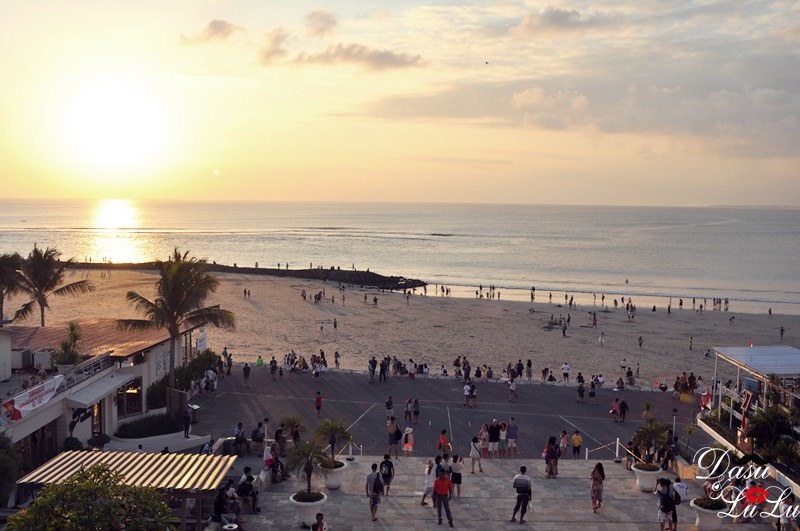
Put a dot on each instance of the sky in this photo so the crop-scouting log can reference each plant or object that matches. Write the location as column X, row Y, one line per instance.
column 615, row 102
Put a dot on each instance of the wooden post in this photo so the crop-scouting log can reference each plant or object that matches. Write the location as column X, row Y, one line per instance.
column 183, row 512
column 198, row 508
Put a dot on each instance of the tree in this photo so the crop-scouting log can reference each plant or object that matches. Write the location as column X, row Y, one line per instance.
column 308, row 457
column 10, row 461
column 184, row 284
column 768, row 427
column 9, row 278
column 39, row 277
column 94, row 499
column 333, row 432
column 67, row 352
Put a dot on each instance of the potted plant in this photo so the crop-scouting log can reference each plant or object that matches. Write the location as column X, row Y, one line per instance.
column 307, row 458
column 332, row 432
column 707, row 510
column 649, row 434
column 293, row 426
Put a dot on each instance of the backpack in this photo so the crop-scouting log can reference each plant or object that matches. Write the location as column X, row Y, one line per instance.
column 666, row 503
column 385, row 469
column 676, row 497
column 377, row 486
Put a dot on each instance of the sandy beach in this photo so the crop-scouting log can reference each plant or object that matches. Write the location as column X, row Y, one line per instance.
column 434, row 330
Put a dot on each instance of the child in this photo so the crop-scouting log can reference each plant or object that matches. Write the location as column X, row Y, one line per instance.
column 408, row 442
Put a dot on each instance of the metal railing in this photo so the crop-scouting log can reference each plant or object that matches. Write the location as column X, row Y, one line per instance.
column 85, row 370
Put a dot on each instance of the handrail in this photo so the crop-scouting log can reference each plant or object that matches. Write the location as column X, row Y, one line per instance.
column 616, row 451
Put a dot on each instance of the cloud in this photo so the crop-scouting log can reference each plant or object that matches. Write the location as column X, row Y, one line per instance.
column 273, row 46
column 320, row 23
column 358, row 54
column 216, row 30
column 563, row 21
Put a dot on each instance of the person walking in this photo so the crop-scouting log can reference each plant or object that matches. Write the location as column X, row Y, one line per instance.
column 246, row 374
column 522, row 484
column 415, row 408
column 551, row 457
column 577, row 441
column 456, row 469
column 615, row 410
column 407, row 418
column 443, row 445
column 318, row 402
column 430, row 474
column 513, row 432
column 374, row 489
column 598, row 476
column 389, row 404
column 441, row 497
column 623, row 410
column 187, row 423
column 475, row 454
column 563, row 444
column 394, row 436
column 387, row 473
column 408, row 441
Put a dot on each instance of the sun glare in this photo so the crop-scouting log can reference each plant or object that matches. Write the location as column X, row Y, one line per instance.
column 115, row 214
column 116, row 124
column 114, row 240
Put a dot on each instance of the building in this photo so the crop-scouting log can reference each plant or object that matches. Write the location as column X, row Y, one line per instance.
column 87, row 399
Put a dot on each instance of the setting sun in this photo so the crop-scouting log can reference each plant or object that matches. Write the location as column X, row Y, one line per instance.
column 115, row 124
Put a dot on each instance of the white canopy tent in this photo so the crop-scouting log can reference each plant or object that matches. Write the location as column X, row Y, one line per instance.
column 761, row 363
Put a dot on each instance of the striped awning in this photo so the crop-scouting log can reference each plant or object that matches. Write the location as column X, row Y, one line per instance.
column 184, row 472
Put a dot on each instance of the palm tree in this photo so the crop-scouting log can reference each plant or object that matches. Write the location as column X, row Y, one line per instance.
column 184, row 284
column 333, row 431
column 9, row 278
column 308, row 457
column 290, row 422
column 67, row 353
column 39, row 277
column 768, row 427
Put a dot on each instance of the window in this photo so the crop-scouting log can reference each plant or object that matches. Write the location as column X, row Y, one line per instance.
column 129, row 399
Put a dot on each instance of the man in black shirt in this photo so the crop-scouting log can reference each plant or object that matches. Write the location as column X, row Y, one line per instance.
column 494, row 438
column 246, row 490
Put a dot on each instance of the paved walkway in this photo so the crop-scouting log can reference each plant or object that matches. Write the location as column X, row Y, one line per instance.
column 541, row 410
column 486, row 503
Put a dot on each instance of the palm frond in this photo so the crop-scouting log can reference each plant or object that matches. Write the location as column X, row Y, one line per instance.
column 212, row 315
column 135, row 325
column 75, row 288
column 25, row 311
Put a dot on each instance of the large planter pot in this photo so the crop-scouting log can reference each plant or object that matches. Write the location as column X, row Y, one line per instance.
column 646, row 479
column 333, row 479
column 307, row 511
column 708, row 519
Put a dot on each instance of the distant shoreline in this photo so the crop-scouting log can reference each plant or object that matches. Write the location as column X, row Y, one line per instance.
column 353, row 277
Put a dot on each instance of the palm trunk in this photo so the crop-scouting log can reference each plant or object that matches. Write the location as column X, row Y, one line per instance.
column 172, row 362
column 41, row 312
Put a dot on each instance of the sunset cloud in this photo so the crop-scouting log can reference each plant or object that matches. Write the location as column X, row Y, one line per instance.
column 320, row 23
column 273, row 49
column 358, row 54
column 216, row 30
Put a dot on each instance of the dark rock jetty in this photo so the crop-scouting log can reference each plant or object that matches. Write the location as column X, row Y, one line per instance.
column 355, row 278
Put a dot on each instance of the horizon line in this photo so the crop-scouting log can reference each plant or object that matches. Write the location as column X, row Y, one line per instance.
column 379, row 202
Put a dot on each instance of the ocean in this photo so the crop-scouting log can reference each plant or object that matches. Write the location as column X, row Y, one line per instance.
column 747, row 255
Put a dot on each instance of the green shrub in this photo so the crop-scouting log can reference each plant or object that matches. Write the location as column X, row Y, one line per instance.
column 704, row 502
column 149, row 427
column 157, row 391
